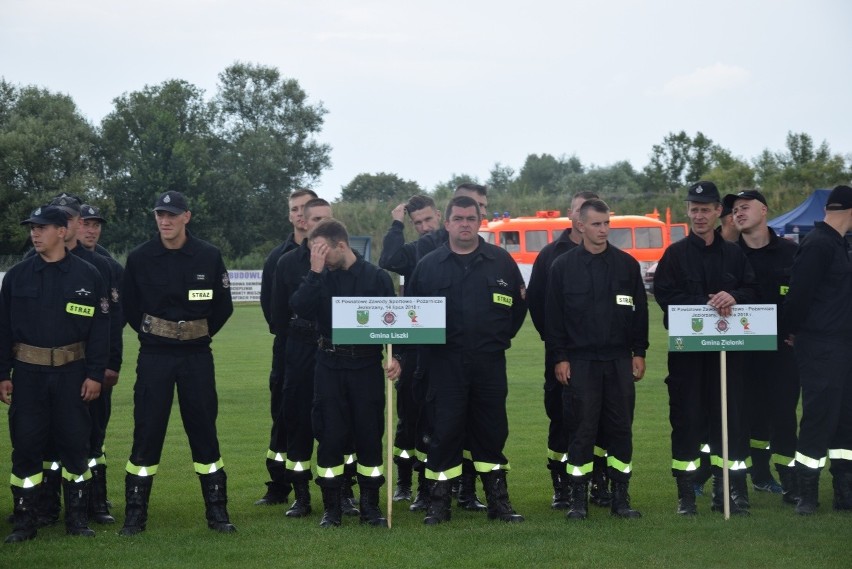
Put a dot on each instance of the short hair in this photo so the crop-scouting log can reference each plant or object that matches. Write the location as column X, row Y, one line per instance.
column 478, row 188
column 316, row 202
column 332, row 229
column 463, row 202
column 585, row 195
column 302, row 192
column 418, row 202
column 596, row 204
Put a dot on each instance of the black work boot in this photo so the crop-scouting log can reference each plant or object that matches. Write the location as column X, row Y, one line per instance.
column 599, row 489
column 703, row 474
column 787, row 478
column 739, row 489
column 807, row 480
column 331, row 507
column 561, row 493
column 421, row 499
column 579, row 509
column 214, row 488
column 278, row 488
column 50, row 498
column 98, row 507
column 761, row 476
column 718, row 498
column 77, row 508
column 24, row 514
column 347, row 497
column 686, row 494
column 370, row 512
column 137, row 491
column 467, row 497
column 497, row 496
column 403, row 479
column 438, row 510
column 302, row 505
column 620, row 506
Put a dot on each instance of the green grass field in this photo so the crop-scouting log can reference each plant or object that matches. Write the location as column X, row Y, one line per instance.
column 177, row 534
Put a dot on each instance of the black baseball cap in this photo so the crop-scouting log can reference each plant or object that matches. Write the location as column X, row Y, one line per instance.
column 703, row 192
column 172, row 202
column 91, row 212
column 67, row 203
column 840, row 198
column 728, row 202
column 47, row 215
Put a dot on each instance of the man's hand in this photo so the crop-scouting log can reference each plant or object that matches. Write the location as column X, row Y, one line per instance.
column 319, row 251
column 563, row 372
column 722, row 302
column 398, row 213
column 393, row 369
column 110, row 378
column 91, row 390
column 6, row 391
column 638, row 368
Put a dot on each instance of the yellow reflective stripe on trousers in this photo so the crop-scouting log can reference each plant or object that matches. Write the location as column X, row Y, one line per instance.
column 581, row 470
column 489, row 466
column 330, row 471
column 71, row 477
column 209, row 468
column 624, row 467
column 600, row 452
column 705, row 448
column 370, row 471
column 26, row 482
column 557, row 456
column 758, row 444
column 97, row 461
column 141, row 470
column 448, row 474
column 810, row 462
column 716, row 460
column 783, row 460
column 50, row 466
column 276, row 456
column 420, row 455
column 840, row 454
column 298, row 465
column 350, row 458
column 685, row 465
column 403, row 452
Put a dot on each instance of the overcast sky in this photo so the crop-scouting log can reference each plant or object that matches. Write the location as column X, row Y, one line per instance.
column 431, row 88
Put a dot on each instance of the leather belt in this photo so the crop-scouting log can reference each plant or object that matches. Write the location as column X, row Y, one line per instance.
column 180, row 330
column 53, row 357
column 349, row 350
column 305, row 330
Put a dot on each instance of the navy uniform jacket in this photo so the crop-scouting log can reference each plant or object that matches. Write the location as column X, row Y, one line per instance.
column 117, row 322
column 267, row 279
column 537, row 289
column 597, row 308
column 772, row 265
column 690, row 271
column 49, row 305
column 289, row 274
column 820, row 297
column 401, row 258
column 486, row 297
column 161, row 282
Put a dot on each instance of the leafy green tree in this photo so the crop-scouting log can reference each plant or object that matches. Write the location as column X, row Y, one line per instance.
column 443, row 191
column 500, row 179
column 545, row 173
column 382, row 187
column 679, row 161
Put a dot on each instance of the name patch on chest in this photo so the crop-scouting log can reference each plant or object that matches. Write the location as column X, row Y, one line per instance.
column 201, row 294
column 80, row 309
column 623, row 300
column 503, row 299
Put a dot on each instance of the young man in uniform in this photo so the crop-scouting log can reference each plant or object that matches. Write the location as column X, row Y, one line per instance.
column 597, row 335
column 58, row 347
column 176, row 296
column 278, row 488
column 819, row 313
column 349, row 391
column 704, row 269
column 486, row 306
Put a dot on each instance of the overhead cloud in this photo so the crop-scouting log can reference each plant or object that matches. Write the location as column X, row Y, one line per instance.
column 706, row 81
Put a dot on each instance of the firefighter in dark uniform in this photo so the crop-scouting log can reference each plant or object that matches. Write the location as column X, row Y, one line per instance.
column 597, row 335
column 557, row 436
column 486, row 307
column 176, row 295
column 771, row 380
column 278, row 488
column 819, row 311
column 54, row 334
column 704, row 269
column 349, row 396
column 409, row 449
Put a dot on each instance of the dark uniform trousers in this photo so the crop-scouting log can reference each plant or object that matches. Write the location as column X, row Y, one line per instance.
column 157, row 375
column 297, row 397
column 410, row 390
column 600, row 398
column 278, row 433
column 99, row 411
column 349, row 406
column 467, row 396
column 53, row 411
column 694, row 386
column 556, row 411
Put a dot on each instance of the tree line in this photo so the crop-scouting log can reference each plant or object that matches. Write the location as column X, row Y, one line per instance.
column 239, row 154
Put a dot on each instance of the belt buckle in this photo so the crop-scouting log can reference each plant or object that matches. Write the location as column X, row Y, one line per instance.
column 146, row 324
column 180, row 328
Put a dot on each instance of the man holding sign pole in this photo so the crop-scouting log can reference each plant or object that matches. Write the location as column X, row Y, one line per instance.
column 703, row 269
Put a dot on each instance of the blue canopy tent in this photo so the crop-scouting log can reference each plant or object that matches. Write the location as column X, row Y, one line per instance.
column 800, row 219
